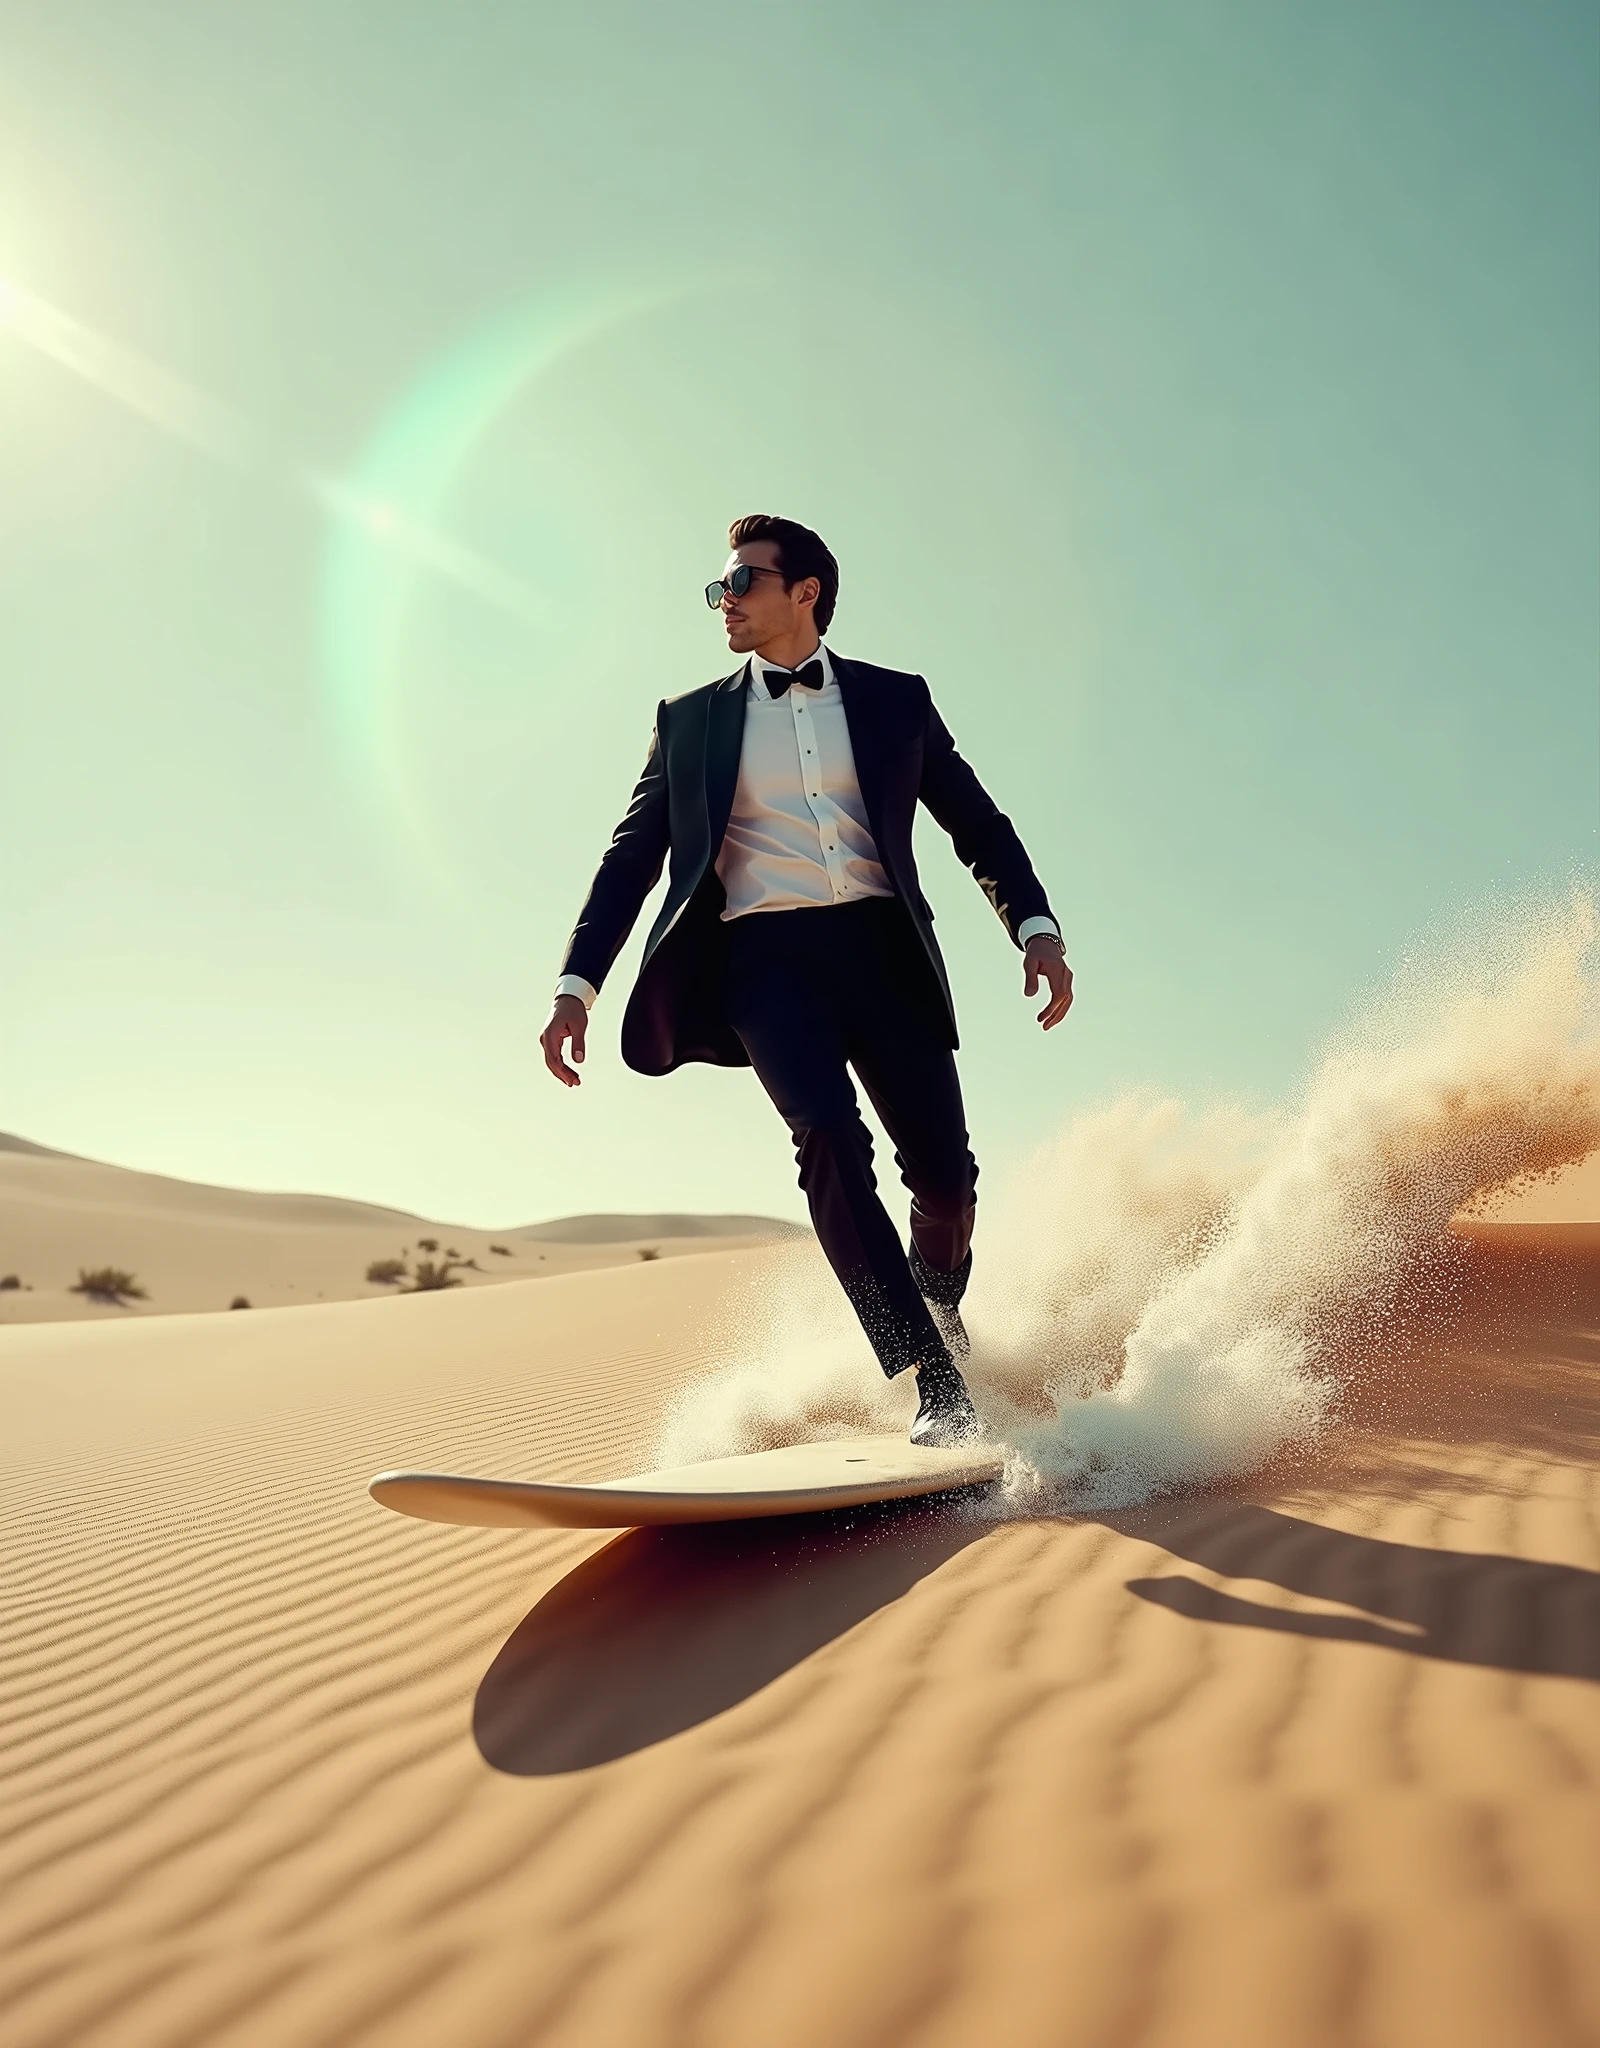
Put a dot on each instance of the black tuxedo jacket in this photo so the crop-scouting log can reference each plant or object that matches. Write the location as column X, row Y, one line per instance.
column 903, row 753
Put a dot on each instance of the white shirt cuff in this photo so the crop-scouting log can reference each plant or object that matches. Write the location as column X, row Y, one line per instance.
column 575, row 985
column 1030, row 927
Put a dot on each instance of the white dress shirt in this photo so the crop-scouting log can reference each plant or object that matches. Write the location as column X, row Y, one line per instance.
column 797, row 835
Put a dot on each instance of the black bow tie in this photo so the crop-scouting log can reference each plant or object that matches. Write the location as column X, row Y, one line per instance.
column 778, row 680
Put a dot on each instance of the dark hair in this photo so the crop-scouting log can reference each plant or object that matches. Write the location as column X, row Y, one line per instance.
column 801, row 553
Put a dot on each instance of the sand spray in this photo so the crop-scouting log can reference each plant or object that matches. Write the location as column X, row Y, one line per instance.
column 1163, row 1298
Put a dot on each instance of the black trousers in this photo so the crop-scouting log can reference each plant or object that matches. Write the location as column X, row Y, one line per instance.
column 811, row 994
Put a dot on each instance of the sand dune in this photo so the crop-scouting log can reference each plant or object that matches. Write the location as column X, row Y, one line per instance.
column 192, row 1248
column 1307, row 1761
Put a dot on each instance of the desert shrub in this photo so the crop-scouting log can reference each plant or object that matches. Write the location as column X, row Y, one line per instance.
column 239, row 1301
column 427, row 1244
column 431, row 1275
column 8, row 1281
column 452, row 1253
column 503, row 1249
column 108, row 1283
column 387, row 1271
column 649, row 1251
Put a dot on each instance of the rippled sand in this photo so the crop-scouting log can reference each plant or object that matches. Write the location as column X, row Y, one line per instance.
column 1311, row 1760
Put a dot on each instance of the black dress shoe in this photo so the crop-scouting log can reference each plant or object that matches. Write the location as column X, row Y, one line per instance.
column 946, row 1416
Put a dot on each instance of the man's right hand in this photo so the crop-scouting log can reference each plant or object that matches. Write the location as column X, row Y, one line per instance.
column 568, row 1020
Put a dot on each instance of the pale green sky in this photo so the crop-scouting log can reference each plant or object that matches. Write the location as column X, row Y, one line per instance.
column 1202, row 395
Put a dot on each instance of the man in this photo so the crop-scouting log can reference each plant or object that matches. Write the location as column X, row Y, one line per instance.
column 794, row 937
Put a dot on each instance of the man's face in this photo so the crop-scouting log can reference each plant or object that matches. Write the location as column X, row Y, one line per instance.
column 767, row 612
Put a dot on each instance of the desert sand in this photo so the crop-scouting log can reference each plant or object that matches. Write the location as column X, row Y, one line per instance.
column 1305, row 1761
column 191, row 1248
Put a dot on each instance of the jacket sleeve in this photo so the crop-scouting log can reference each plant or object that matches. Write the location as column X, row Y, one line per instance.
column 628, row 871
column 984, row 838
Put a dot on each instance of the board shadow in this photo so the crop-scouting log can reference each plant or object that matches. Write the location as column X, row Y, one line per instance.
column 665, row 1628
column 1457, row 1607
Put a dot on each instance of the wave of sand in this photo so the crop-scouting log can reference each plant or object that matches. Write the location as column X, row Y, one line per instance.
column 1167, row 1300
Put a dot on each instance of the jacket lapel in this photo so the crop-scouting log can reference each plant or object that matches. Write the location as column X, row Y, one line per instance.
column 724, row 739
column 866, row 741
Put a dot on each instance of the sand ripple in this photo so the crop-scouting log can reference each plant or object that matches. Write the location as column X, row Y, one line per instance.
column 1312, row 1762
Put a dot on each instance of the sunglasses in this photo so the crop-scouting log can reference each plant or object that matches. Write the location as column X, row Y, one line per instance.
column 737, row 584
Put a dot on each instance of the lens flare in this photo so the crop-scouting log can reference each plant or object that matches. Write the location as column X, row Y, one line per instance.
column 385, row 531
column 395, row 501
column 131, row 379
column 215, row 429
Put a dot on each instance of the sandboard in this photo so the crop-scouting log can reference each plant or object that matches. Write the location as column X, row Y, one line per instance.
column 798, row 1480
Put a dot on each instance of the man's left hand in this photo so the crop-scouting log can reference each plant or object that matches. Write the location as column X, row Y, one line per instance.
column 1046, row 957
